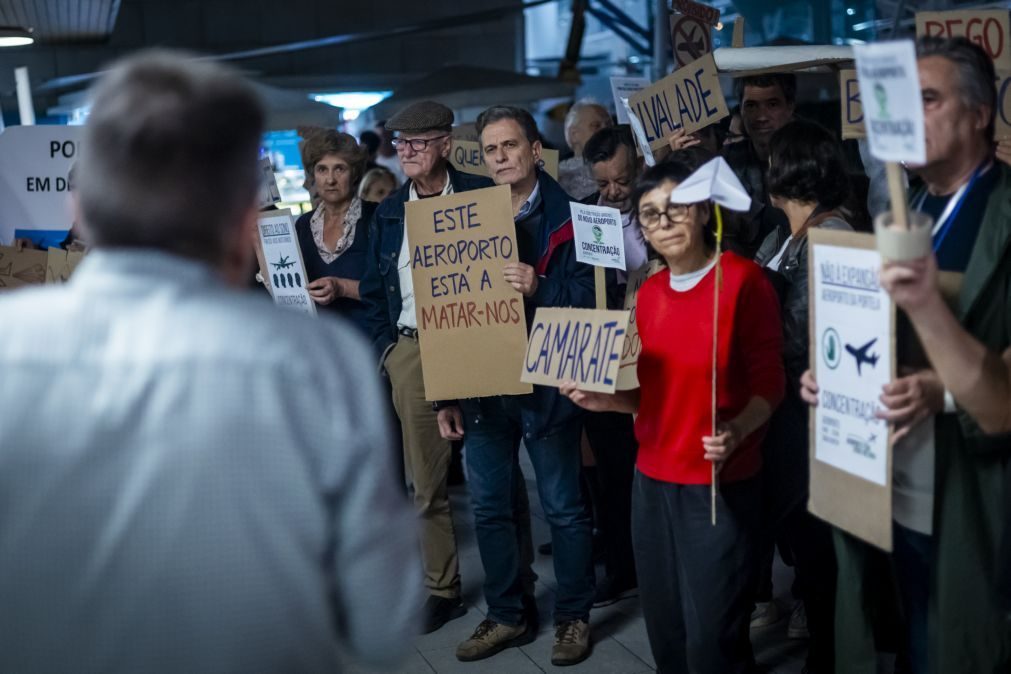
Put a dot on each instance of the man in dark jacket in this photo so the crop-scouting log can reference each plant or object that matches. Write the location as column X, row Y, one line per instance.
column 387, row 291
column 767, row 104
column 547, row 275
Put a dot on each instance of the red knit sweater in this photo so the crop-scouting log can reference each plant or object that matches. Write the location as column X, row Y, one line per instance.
column 675, row 369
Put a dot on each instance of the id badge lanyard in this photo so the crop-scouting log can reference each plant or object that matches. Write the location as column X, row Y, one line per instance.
column 950, row 212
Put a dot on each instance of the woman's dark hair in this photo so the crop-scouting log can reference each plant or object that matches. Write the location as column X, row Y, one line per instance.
column 675, row 168
column 806, row 164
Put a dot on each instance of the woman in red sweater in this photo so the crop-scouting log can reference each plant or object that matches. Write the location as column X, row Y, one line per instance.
column 696, row 580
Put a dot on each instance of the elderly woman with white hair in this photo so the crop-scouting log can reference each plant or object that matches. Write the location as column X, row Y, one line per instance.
column 584, row 119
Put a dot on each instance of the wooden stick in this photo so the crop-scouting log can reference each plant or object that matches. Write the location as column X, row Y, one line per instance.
column 599, row 286
column 897, row 194
column 716, row 318
column 738, row 39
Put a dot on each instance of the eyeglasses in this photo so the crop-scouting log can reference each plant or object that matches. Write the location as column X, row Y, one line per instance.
column 416, row 144
column 650, row 218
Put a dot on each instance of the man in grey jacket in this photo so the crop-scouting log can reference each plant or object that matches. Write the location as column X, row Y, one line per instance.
column 190, row 480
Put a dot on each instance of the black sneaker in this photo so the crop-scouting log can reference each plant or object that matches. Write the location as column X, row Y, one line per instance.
column 611, row 590
column 440, row 610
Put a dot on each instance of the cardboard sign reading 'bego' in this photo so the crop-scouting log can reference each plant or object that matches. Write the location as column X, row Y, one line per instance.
column 852, row 112
column 852, row 332
column 580, row 345
column 690, row 97
column 988, row 28
column 471, row 324
column 467, row 156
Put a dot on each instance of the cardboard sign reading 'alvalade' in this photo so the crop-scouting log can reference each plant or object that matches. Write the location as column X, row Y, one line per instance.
column 988, row 28
column 471, row 325
column 690, row 97
column 467, row 156
column 581, row 345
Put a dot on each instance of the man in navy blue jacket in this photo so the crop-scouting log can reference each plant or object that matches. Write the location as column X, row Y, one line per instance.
column 547, row 275
column 387, row 290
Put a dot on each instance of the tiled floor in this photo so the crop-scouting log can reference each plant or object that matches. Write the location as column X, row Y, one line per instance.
column 619, row 634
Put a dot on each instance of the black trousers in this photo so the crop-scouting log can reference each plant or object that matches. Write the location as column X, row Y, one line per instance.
column 696, row 580
column 612, row 439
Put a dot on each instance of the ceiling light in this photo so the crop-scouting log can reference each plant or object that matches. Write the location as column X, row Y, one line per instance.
column 15, row 37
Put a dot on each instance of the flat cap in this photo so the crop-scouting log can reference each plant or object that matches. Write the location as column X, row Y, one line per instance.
column 421, row 116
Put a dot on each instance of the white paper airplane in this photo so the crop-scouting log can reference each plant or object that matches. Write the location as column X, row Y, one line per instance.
column 714, row 181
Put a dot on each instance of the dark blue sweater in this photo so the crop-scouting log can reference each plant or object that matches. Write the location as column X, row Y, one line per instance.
column 350, row 264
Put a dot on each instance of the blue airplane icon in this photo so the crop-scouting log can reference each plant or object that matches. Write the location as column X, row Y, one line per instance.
column 861, row 356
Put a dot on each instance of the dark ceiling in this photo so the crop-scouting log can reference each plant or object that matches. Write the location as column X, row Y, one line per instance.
column 62, row 21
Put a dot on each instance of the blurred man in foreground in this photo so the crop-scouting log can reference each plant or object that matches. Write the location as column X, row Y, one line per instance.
column 190, row 480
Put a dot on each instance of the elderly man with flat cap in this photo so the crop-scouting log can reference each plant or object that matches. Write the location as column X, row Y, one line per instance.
column 423, row 144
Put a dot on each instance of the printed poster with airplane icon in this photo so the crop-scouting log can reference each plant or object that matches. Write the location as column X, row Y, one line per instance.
column 281, row 264
column 853, row 359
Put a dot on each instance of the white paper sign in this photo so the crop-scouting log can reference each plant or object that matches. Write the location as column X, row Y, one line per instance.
column 599, row 238
column 284, row 261
column 269, row 194
column 34, row 189
column 639, row 133
column 625, row 87
column 852, row 333
column 893, row 107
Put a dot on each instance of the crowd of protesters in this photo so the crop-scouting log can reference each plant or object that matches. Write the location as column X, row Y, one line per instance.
column 227, row 500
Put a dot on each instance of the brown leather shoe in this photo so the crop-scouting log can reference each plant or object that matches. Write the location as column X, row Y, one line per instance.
column 491, row 637
column 572, row 643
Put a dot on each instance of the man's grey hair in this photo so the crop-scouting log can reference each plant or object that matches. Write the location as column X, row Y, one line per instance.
column 585, row 105
column 497, row 113
column 169, row 155
column 976, row 77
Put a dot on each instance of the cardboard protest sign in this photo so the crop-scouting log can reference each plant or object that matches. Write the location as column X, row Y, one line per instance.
column 852, row 332
column 628, row 377
column 60, row 264
column 988, row 28
column 852, row 112
column 893, row 112
column 690, row 97
column 21, row 268
column 1002, row 119
column 581, row 345
column 704, row 13
column 598, row 233
column 690, row 39
column 34, row 188
column 623, row 87
column 284, row 271
column 467, row 156
column 269, row 193
column 471, row 323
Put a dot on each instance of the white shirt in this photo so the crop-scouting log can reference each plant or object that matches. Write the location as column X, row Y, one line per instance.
column 408, row 316
column 184, row 489
column 776, row 262
column 682, row 283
